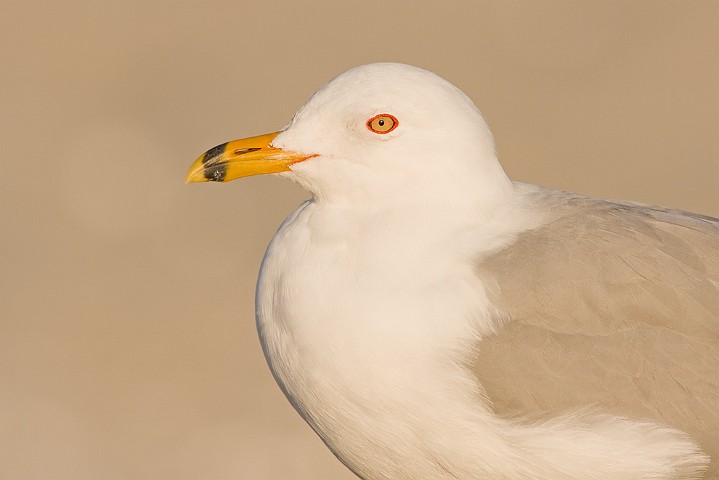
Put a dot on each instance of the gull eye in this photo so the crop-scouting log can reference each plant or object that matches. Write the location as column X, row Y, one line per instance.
column 382, row 123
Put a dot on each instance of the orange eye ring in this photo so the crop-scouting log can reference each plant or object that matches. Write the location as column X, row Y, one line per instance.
column 382, row 123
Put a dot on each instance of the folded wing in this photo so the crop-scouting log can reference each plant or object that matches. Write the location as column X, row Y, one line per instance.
column 610, row 306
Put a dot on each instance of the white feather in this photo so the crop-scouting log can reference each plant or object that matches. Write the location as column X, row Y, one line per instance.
column 369, row 306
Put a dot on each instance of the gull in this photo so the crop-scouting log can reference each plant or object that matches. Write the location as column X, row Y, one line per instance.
column 431, row 319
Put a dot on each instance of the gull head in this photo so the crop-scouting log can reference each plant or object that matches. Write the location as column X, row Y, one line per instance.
column 383, row 133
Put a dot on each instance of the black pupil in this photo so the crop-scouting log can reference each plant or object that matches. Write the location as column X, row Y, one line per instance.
column 380, row 122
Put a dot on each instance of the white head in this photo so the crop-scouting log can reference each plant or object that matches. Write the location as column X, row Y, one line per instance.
column 428, row 141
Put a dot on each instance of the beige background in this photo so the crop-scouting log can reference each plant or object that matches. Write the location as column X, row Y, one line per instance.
column 127, row 341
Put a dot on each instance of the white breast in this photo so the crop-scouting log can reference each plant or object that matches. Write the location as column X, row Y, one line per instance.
column 365, row 331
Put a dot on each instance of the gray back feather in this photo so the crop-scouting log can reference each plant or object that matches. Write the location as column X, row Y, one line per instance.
column 608, row 305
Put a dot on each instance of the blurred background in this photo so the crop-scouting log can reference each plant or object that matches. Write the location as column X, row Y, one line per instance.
column 127, row 340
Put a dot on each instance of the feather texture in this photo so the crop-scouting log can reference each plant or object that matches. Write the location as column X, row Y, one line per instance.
column 607, row 305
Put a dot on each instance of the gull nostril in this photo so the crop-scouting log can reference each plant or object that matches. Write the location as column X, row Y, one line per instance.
column 242, row 151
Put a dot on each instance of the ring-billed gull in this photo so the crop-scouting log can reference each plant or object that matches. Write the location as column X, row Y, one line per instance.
column 431, row 319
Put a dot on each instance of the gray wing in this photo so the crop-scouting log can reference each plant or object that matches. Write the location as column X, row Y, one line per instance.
column 608, row 305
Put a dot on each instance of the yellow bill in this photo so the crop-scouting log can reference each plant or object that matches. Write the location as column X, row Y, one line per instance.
column 242, row 158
